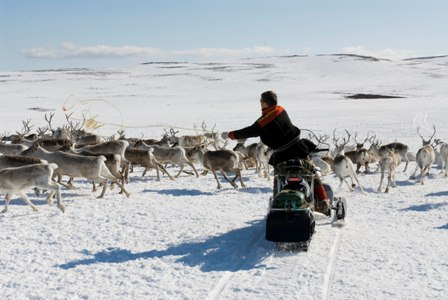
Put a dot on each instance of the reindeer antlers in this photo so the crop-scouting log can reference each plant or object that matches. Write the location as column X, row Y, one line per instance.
column 426, row 142
column 345, row 141
column 26, row 128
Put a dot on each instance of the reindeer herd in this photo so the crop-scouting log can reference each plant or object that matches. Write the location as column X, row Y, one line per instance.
column 42, row 159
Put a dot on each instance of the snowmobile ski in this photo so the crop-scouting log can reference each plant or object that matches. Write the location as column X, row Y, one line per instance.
column 340, row 208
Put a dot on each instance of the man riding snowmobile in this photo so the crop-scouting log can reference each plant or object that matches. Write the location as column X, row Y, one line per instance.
column 276, row 130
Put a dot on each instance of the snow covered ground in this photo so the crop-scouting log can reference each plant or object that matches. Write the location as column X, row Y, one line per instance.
column 187, row 240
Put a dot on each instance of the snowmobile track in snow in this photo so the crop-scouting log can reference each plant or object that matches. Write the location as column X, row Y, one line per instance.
column 240, row 260
column 329, row 274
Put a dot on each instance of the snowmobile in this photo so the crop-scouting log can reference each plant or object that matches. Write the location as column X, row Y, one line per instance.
column 291, row 217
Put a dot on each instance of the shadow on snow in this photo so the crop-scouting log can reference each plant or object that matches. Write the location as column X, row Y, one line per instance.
column 196, row 192
column 180, row 192
column 443, row 227
column 239, row 249
column 424, row 207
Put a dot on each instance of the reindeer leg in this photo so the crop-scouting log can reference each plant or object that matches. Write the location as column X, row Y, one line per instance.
column 54, row 188
column 389, row 179
column 359, row 184
column 238, row 173
column 7, row 200
column 231, row 182
column 406, row 166
column 28, row 201
column 413, row 174
column 180, row 171
column 103, row 192
column 164, row 170
column 393, row 178
column 217, row 180
column 194, row 169
column 367, row 171
column 358, row 167
column 342, row 181
column 381, row 181
column 158, row 173
column 50, row 198
column 121, row 187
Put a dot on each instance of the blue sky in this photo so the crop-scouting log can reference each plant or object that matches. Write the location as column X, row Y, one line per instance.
column 42, row 34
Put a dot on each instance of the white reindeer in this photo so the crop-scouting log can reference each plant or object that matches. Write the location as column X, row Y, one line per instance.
column 443, row 154
column 425, row 157
column 18, row 180
column 389, row 163
column 342, row 165
column 263, row 154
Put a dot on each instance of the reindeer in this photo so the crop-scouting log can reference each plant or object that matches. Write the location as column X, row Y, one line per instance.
column 163, row 142
column 113, row 164
column 58, row 133
column 389, row 163
column 361, row 156
column 112, row 147
column 11, row 149
column 187, row 141
column 221, row 160
column 263, row 154
column 21, row 137
column 322, row 163
column 249, row 153
column 342, row 165
column 146, row 159
column 399, row 148
column 443, row 153
column 7, row 161
column 425, row 157
column 18, row 179
column 175, row 155
column 74, row 165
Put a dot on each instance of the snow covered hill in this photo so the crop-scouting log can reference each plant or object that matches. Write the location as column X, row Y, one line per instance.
column 184, row 239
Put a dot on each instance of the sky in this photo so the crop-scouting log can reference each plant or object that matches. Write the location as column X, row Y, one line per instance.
column 49, row 34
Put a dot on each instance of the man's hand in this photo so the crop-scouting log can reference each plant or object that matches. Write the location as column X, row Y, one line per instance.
column 224, row 135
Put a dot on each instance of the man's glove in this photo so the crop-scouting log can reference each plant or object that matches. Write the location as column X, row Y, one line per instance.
column 224, row 135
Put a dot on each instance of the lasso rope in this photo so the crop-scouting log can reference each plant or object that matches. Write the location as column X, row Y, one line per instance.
column 93, row 123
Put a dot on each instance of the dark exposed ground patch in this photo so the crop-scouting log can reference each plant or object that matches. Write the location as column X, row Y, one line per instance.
column 41, row 109
column 371, row 96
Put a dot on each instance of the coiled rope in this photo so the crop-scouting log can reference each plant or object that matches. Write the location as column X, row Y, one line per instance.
column 92, row 121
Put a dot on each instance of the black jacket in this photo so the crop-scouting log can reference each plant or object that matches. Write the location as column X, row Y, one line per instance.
column 275, row 130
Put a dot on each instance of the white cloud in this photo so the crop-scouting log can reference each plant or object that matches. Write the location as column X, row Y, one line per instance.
column 224, row 52
column 69, row 50
column 385, row 53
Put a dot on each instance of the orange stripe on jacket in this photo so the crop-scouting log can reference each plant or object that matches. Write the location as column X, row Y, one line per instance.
column 270, row 115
